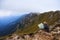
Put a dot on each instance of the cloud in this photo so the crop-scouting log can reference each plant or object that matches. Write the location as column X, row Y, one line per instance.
column 20, row 7
column 8, row 13
column 5, row 13
column 30, row 5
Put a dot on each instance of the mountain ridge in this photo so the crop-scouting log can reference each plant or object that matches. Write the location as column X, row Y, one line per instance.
column 30, row 21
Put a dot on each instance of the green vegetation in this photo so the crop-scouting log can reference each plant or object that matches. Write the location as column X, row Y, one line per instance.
column 31, row 21
column 51, row 18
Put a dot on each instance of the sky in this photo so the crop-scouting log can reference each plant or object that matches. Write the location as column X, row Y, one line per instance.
column 20, row 7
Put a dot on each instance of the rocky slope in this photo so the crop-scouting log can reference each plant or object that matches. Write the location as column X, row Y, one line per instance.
column 29, row 22
column 39, row 35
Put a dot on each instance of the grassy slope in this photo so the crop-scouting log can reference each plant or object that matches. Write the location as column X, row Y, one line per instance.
column 50, row 17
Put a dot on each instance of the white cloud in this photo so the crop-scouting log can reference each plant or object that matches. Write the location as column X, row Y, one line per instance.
column 8, row 13
column 20, row 7
column 5, row 13
column 30, row 5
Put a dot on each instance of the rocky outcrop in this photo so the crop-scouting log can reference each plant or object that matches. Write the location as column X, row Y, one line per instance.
column 40, row 35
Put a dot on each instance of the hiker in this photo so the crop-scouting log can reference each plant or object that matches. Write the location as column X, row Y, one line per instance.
column 44, row 26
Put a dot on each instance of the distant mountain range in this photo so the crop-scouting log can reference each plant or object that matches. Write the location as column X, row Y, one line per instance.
column 8, row 25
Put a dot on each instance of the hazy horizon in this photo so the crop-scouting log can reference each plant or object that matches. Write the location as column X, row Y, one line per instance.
column 20, row 7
